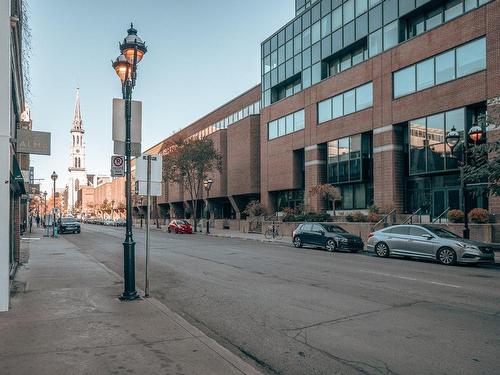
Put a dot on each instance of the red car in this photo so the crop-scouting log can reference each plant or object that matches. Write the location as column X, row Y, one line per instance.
column 180, row 226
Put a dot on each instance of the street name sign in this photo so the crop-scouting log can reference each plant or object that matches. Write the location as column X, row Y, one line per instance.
column 117, row 166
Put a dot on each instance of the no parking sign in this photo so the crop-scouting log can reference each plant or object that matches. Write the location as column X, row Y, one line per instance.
column 117, row 166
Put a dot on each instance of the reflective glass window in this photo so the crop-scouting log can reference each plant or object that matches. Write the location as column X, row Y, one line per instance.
column 391, row 35
column 470, row 4
column 425, row 74
column 299, row 122
column 375, row 43
column 326, row 47
column 316, row 53
column 306, row 38
column 337, row 18
column 289, row 50
column 326, row 26
column 349, row 102
column 454, row 8
column 297, row 44
column 297, row 27
column 348, row 11
column 306, row 58
column 281, row 126
column 324, row 110
column 337, row 41
column 306, row 20
column 390, row 11
column 274, row 60
column 316, row 73
column 316, row 13
column 345, row 62
column 418, row 158
column 315, row 32
column 297, row 64
column 361, row 26
column 435, row 142
column 445, row 67
column 404, row 81
column 434, row 18
column 338, row 106
column 349, row 34
column 454, row 119
column 364, row 96
column 281, row 55
column 326, row 7
column 361, row 6
column 357, row 56
column 375, row 18
column 273, row 129
column 306, row 78
column 471, row 57
column 289, row 124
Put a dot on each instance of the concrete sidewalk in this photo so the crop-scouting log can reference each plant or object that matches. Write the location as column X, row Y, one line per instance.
column 66, row 318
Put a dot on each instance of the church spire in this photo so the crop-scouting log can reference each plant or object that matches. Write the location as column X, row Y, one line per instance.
column 77, row 119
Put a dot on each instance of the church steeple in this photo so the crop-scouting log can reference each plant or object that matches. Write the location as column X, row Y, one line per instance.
column 77, row 118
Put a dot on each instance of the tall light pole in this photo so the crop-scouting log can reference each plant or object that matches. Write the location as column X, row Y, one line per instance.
column 45, row 204
column 208, row 184
column 132, row 51
column 452, row 139
column 54, row 178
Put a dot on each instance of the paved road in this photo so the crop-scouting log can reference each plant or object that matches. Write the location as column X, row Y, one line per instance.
column 306, row 311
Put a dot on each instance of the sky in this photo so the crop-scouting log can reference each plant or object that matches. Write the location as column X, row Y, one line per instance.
column 201, row 54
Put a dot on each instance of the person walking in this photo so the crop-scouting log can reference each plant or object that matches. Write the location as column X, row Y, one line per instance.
column 38, row 221
column 30, row 221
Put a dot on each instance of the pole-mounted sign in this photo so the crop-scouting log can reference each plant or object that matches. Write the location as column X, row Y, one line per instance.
column 117, row 166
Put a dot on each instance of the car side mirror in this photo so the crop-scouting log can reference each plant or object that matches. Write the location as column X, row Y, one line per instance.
column 322, row 232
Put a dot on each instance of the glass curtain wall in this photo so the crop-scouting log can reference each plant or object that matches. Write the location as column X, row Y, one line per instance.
column 349, row 166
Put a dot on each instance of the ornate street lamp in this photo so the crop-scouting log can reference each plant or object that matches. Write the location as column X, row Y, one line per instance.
column 207, row 183
column 452, row 139
column 132, row 51
column 54, row 176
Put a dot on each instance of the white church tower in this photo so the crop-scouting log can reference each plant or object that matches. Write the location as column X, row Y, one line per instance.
column 77, row 170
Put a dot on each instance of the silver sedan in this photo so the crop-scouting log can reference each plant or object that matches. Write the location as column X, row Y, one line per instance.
column 429, row 242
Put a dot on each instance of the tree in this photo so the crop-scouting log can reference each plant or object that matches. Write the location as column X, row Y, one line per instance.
column 188, row 161
column 253, row 209
column 328, row 192
column 484, row 159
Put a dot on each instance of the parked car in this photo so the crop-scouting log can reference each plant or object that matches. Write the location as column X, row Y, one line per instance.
column 108, row 223
column 330, row 236
column 69, row 224
column 429, row 242
column 180, row 226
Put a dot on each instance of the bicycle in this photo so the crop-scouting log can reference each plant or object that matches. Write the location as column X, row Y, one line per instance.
column 273, row 231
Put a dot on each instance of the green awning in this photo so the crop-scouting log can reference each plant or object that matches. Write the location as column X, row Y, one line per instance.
column 16, row 177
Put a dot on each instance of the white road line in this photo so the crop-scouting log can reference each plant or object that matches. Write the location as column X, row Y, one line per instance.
column 411, row 279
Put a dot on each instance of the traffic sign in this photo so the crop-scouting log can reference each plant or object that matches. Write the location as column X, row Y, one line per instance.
column 117, row 166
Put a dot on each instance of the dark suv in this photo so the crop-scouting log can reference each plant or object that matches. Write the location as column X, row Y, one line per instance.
column 330, row 236
column 69, row 224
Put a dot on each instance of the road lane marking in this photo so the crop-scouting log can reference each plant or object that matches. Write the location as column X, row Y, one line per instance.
column 411, row 279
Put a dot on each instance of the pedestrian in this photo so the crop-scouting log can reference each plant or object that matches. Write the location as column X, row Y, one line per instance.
column 38, row 221
column 30, row 221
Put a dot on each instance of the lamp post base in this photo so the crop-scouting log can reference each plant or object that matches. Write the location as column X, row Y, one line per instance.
column 466, row 233
column 129, row 293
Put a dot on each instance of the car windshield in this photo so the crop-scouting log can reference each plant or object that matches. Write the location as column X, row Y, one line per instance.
column 443, row 233
column 334, row 229
column 67, row 220
column 182, row 222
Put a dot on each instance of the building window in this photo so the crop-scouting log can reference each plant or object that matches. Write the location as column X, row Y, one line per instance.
column 428, row 151
column 458, row 62
column 346, row 103
column 286, row 125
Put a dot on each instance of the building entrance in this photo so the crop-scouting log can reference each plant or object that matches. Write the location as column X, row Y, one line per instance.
column 442, row 199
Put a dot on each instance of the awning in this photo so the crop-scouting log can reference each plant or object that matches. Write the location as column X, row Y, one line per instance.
column 16, row 177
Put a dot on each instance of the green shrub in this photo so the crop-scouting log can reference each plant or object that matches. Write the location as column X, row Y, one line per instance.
column 359, row 217
column 373, row 217
column 349, row 218
column 479, row 216
column 456, row 216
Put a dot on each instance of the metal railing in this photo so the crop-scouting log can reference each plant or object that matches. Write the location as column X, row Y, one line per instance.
column 410, row 219
column 441, row 216
column 384, row 220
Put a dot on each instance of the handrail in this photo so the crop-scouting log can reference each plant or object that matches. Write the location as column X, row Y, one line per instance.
column 441, row 215
column 384, row 219
column 410, row 219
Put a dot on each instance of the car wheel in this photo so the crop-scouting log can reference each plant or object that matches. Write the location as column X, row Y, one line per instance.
column 297, row 242
column 382, row 250
column 447, row 256
column 330, row 246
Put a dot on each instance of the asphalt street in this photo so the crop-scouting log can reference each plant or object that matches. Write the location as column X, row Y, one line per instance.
column 306, row 311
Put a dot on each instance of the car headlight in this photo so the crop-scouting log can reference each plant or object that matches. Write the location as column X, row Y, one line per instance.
column 468, row 247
